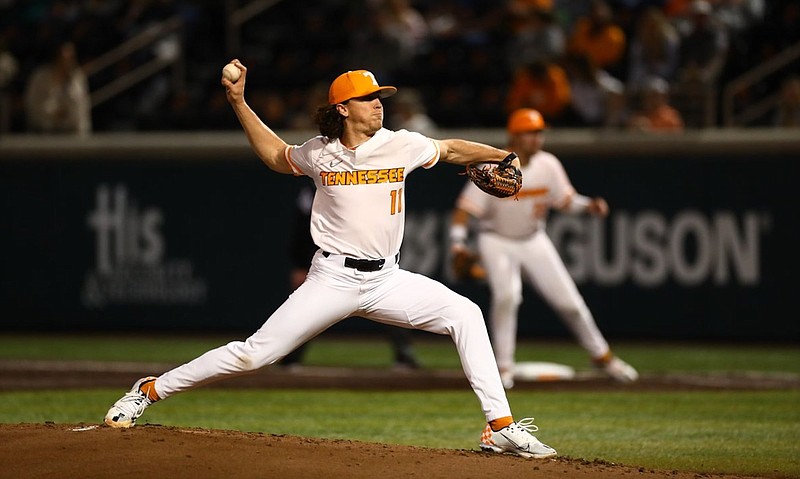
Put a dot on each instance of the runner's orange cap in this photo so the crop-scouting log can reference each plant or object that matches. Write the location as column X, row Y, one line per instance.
column 354, row 84
column 525, row 119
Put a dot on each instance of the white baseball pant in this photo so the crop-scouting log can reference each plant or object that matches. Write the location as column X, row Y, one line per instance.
column 333, row 292
column 505, row 260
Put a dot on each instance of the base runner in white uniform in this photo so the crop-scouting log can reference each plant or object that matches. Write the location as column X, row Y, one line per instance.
column 512, row 241
column 357, row 220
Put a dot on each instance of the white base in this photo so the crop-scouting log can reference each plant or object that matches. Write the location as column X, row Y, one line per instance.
column 543, row 371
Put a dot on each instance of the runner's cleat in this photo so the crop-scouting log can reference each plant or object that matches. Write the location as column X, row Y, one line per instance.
column 618, row 370
column 507, row 378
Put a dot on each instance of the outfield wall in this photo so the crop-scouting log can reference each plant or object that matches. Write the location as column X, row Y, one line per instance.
column 189, row 232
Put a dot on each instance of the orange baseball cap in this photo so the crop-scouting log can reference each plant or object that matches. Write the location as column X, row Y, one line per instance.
column 354, row 84
column 525, row 119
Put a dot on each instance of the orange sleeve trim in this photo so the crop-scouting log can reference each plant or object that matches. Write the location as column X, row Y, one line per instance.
column 288, row 156
column 435, row 158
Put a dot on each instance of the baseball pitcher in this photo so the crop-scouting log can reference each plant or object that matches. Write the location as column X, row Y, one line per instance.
column 360, row 170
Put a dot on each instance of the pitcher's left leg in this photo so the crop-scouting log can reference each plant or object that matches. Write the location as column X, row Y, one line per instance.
column 407, row 298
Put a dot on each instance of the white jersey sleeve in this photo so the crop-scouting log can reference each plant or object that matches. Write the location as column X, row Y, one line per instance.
column 473, row 200
column 359, row 205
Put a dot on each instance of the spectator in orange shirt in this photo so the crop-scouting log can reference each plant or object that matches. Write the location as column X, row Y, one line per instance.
column 598, row 37
column 543, row 86
column 656, row 114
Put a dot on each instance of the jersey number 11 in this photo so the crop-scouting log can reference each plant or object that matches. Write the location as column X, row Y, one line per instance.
column 397, row 201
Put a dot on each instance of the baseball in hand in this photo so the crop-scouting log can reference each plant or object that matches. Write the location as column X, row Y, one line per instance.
column 231, row 72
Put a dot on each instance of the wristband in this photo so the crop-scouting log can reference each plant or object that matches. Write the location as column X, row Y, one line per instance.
column 458, row 234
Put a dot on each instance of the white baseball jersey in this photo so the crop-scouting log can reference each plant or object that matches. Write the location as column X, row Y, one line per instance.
column 545, row 185
column 367, row 183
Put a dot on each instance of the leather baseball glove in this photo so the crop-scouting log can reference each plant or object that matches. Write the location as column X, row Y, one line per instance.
column 497, row 178
column 466, row 265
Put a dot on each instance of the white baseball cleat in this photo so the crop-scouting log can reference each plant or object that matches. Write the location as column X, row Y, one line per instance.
column 126, row 410
column 507, row 378
column 619, row 370
column 516, row 438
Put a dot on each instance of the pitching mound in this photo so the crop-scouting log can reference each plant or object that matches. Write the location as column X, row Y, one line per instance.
column 92, row 451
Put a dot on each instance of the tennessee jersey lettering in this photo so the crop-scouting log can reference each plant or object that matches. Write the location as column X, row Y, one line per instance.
column 362, row 177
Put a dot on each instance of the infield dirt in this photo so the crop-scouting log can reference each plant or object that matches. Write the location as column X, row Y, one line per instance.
column 92, row 451
column 96, row 451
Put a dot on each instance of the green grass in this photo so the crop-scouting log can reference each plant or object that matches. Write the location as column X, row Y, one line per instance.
column 743, row 432
column 433, row 352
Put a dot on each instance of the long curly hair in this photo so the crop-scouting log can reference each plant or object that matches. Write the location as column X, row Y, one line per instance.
column 329, row 121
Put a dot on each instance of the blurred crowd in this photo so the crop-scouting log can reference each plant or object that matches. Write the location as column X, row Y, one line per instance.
column 620, row 64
